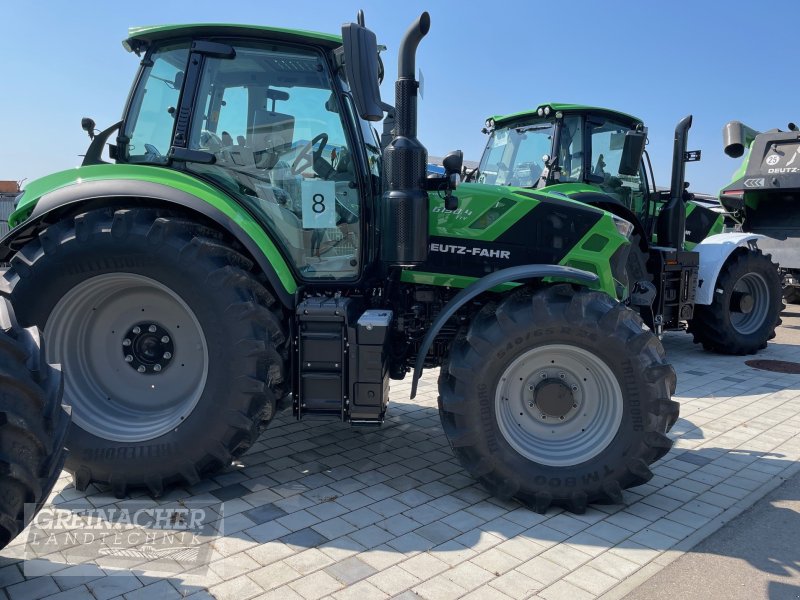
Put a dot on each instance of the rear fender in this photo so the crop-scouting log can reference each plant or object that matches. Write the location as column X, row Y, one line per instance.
column 714, row 253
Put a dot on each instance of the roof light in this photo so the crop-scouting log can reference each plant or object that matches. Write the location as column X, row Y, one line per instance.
column 546, row 110
column 540, row 112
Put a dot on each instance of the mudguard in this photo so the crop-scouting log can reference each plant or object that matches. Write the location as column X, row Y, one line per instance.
column 512, row 274
column 714, row 251
column 73, row 196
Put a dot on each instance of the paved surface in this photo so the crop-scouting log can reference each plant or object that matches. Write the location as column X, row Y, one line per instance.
column 318, row 510
column 757, row 555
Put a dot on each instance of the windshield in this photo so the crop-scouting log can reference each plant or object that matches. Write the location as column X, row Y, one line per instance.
column 151, row 115
column 513, row 155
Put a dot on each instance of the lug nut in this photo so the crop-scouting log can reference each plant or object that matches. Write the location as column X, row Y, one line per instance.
column 152, row 328
column 141, row 369
column 165, row 339
column 530, row 404
column 137, row 330
column 156, row 368
column 544, row 416
column 167, row 355
column 543, row 375
column 126, row 342
column 574, row 388
column 530, row 387
column 129, row 358
column 562, row 375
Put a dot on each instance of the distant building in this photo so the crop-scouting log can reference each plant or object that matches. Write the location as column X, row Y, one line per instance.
column 9, row 190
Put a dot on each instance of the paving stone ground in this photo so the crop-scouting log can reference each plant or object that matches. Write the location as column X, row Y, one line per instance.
column 317, row 509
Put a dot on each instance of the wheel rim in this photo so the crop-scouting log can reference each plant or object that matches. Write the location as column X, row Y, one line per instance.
column 558, row 405
column 126, row 385
column 755, row 286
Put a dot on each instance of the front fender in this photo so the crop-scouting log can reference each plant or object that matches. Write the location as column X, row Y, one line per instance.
column 512, row 274
column 113, row 185
column 714, row 252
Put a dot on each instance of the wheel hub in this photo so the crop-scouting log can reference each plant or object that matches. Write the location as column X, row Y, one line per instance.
column 554, row 399
column 742, row 302
column 148, row 348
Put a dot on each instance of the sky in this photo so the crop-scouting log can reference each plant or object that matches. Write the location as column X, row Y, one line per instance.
column 657, row 60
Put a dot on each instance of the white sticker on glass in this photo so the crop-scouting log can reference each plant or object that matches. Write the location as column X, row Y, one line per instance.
column 319, row 204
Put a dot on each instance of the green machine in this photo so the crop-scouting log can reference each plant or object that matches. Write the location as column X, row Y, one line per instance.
column 763, row 194
column 249, row 240
column 683, row 271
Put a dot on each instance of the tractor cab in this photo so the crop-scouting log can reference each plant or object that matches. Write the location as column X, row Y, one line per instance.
column 590, row 149
column 268, row 118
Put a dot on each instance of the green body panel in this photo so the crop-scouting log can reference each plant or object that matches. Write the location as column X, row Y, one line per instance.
column 167, row 177
column 444, row 280
column 478, row 202
column 751, row 197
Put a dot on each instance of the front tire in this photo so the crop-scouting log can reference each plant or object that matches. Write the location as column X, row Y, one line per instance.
column 173, row 350
column 730, row 326
column 33, row 425
column 558, row 397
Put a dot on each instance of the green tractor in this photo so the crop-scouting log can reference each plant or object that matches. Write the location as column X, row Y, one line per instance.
column 33, row 425
column 683, row 272
column 250, row 239
column 762, row 196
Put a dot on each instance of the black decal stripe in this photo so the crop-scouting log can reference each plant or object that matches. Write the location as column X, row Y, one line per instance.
column 698, row 223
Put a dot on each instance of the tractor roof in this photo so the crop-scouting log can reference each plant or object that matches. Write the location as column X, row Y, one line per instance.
column 141, row 37
column 564, row 108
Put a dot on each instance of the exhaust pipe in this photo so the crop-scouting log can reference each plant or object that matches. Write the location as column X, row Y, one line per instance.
column 672, row 220
column 736, row 136
column 404, row 220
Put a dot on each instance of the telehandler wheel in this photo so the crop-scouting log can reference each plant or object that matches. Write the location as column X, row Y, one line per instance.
column 33, row 425
column 173, row 350
column 558, row 397
column 746, row 307
column 791, row 294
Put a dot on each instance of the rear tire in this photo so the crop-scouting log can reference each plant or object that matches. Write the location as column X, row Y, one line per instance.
column 33, row 425
column 173, row 350
column 597, row 357
column 719, row 328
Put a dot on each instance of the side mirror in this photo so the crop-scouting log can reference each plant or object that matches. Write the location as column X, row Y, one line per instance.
column 632, row 151
column 361, row 65
column 453, row 161
column 88, row 125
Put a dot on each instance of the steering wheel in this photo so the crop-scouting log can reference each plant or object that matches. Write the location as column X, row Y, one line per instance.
column 306, row 157
column 152, row 151
column 211, row 141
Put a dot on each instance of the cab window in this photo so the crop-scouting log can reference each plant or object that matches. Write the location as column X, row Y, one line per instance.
column 150, row 116
column 607, row 140
column 274, row 125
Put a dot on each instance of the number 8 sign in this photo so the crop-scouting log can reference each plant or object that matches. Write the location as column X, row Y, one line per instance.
column 319, row 204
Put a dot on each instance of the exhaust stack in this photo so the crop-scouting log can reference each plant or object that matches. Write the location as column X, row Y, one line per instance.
column 672, row 220
column 404, row 218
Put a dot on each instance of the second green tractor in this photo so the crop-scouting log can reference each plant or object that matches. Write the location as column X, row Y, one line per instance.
column 682, row 271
